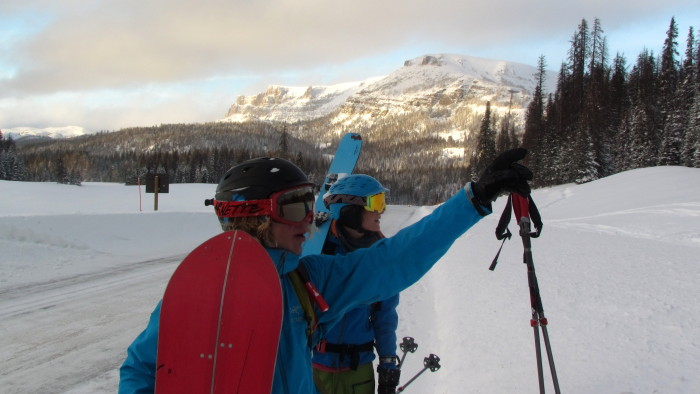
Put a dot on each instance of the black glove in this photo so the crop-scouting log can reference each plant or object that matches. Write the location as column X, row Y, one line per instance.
column 503, row 175
column 389, row 375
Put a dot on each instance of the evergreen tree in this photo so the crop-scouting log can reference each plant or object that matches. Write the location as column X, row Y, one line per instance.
column 598, row 53
column 578, row 54
column 671, row 104
column 535, row 121
column 284, row 143
column 669, row 61
column 551, row 151
column 60, row 173
column 691, row 99
column 503, row 139
column 485, row 146
column 12, row 167
column 619, row 106
column 595, row 113
column 692, row 141
column 644, row 117
column 584, row 158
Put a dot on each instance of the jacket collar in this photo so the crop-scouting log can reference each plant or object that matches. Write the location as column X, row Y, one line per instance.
column 284, row 261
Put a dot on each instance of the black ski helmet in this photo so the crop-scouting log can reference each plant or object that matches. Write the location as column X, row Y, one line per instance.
column 257, row 179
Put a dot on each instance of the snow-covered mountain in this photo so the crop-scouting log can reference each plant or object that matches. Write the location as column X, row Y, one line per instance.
column 441, row 83
column 19, row 133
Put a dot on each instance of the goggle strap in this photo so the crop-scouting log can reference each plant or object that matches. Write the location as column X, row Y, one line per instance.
column 345, row 199
column 348, row 199
column 241, row 209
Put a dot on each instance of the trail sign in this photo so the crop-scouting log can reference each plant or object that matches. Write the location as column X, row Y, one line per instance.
column 157, row 183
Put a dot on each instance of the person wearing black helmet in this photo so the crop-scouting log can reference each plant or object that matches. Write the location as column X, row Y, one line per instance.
column 243, row 197
column 270, row 199
column 342, row 360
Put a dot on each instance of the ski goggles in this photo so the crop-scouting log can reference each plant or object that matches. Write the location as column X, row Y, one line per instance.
column 373, row 203
column 289, row 206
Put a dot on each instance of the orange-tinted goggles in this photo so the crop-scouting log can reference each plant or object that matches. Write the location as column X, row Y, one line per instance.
column 375, row 203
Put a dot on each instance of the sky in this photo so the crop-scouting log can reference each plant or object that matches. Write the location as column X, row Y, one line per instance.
column 81, row 269
column 109, row 64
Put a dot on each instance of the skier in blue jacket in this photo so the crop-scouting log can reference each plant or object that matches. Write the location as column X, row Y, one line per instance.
column 346, row 281
column 342, row 360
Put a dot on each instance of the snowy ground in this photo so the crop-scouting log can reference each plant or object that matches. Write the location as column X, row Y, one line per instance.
column 618, row 265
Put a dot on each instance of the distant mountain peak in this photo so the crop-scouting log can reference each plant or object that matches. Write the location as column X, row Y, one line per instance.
column 19, row 133
column 424, row 82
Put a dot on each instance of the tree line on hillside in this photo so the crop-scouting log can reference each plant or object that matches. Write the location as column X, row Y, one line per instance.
column 187, row 153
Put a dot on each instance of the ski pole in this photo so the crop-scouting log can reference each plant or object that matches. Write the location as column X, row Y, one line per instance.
column 431, row 362
column 521, row 207
column 408, row 345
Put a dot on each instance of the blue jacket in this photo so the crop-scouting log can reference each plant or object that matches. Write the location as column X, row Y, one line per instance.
column 367, row 323
column 361, row 277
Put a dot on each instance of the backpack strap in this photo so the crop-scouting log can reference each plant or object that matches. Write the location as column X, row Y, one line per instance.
column 305, row 301
column 307, row 295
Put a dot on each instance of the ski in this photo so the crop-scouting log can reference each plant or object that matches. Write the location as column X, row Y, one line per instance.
column 343, row 163
column 220, row 320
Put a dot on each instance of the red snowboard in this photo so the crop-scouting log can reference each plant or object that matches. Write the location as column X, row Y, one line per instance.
column 220, row 320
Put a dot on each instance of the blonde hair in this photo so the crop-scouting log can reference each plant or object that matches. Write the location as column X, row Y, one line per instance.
column 257, row 226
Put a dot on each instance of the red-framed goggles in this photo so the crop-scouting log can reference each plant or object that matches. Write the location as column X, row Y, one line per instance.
column 289, row 206
column 373, row 203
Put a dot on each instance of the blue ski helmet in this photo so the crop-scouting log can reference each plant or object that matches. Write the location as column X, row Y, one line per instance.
column 353, row 185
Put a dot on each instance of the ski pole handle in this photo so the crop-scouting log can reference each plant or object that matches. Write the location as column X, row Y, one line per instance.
column 521, row 206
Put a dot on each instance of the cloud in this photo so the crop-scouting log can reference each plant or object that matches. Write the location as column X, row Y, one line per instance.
column 121, row 43
column 107, row 64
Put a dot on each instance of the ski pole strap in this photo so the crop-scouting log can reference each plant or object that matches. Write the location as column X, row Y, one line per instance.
column 523, row 207
column 502, row 231
column 536, row 219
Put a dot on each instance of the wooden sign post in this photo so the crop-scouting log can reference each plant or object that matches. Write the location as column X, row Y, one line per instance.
column 157, row 183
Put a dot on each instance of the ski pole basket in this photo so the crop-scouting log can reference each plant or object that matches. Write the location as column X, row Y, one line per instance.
column 431, row 362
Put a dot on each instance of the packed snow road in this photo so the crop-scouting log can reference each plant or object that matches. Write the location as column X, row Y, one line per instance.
column 77, row 324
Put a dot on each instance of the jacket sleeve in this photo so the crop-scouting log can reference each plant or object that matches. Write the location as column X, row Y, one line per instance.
column 391, row 264
column 385, row 320
column 138, row 373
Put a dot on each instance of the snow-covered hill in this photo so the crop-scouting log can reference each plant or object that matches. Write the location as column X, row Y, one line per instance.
column 81, row 269
column 435, row 83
